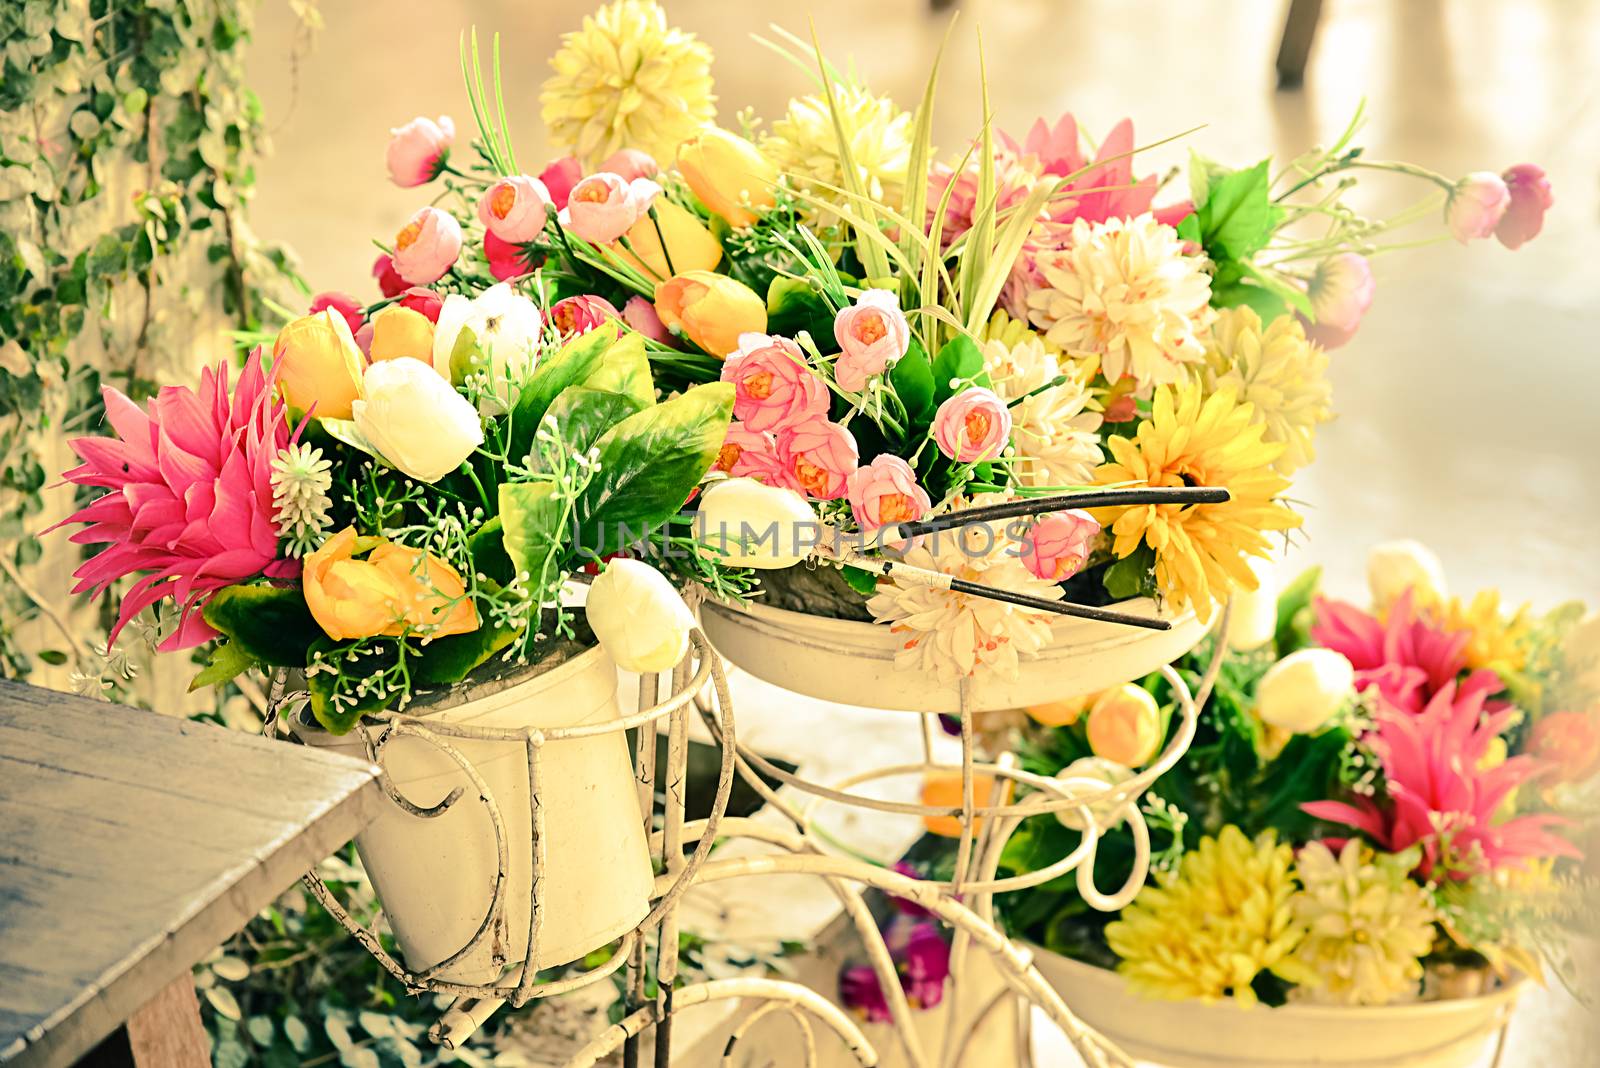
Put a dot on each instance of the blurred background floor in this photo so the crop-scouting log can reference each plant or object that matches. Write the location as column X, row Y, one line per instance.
column 1467, row 401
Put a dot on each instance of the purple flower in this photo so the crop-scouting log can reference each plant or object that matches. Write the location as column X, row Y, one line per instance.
column 925, row 966
column 861, row 994
column 902, row 905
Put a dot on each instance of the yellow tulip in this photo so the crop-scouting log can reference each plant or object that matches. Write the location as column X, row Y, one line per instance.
column 318, row 362
column 399, row 331
column 385, row 594
column 1059, row 713
column 728, row 174
column 1125, row 726
column 690, row 244
column 711, row 310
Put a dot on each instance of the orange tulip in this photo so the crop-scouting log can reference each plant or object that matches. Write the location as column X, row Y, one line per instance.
column 728, row 174
column 712, row 310
column 942, row 788
column 1062, row 713
column 395, row 590
column 398, row 331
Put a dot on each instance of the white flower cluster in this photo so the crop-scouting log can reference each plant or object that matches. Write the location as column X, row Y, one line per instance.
column 301, row 478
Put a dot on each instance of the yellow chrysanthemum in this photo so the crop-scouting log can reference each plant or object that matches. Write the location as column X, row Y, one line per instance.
column 1367, row 924
column 1208, row 929
column 1194, row 440
column 804, row 145
column 1498, row 643
column 1279, row 371
column 627, row 80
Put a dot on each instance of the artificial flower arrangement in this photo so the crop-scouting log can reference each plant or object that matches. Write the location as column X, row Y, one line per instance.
column 908, row 337
column 1379, row 806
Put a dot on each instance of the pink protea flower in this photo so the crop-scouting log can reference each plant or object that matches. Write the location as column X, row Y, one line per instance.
column 1442, row 796
column 190, row 495
column 1406, row 659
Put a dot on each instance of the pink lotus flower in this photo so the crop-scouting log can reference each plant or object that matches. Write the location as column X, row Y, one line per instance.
column 1057, row 547
column 560, row 177
column 885, row 491
column 1530, row 199
column 354, row 312
column 872, row 335
column 1405, row 658
column 581, row 314
column 603, row 206
column 630, row 163
column 773, row 387
column 189, row 501
column 1341, row 291
column 1476, row 206
column 426, row 247
column 1439, row 797
column 514, row 209
column 641, row 315
column 390, row 284
column 418, row 150
column 1013, row 179
column 747, row 453
column 507, row 260
column 973, row 425
column 817, row 457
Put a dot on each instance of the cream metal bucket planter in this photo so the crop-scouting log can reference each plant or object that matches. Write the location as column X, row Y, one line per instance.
column 1451, row 1033
column 435, row 865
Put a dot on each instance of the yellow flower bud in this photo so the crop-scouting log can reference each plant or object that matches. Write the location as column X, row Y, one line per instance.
column 690, row 244
column 728, row 174
column 398, row 331
column 1125, row 726
column 712, row 310
column 1059, row 713
column 318, row 362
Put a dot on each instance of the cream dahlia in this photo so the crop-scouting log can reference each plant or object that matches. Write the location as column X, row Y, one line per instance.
column 1125, row 291
column 1054, row 431
column 1276, row 370
column 804, row 145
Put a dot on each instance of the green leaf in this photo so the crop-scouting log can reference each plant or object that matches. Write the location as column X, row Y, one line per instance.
column 1204, row 173
column 1239, row 218
column 624, row 368
column 912, row 379
column 796, row 304
column 336, row 718
column 227, row 662
column 1133, row 575
column 862, row 581
column 53, row 657
column 583, row 414
column 649, row 464
column 448, row 660
column 298, row 1034
column 270, row 624
column 530, row 516
column 1294, row 612
column 568, row 365
column 1265, row 303
column 958, row 361
column 487, row 548
column 346, row 431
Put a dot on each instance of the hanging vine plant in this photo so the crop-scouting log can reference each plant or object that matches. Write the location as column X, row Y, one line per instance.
column 128, row 144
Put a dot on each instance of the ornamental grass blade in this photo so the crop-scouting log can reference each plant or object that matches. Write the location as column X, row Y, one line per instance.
column 974, row 261
column 1004, row 255
column 871, row 253
column 914, row 204
column 933, row 268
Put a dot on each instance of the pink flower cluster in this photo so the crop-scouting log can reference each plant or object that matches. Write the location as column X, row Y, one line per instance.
column 1509, row 206
column 922, row 962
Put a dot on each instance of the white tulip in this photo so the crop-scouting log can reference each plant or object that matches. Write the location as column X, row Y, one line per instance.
column 639, row 617
column 748, row 524
column 1581, row 654
column 1393, row 567
column 1301, row 692
column 1254, row 618
column 1108, row 815
column 415, row 419
column 504, row 326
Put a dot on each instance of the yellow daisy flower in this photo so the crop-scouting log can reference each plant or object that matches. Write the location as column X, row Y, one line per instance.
column 1281, row 373
column 1497, row 642
column 627, row 80
column 1192, row 440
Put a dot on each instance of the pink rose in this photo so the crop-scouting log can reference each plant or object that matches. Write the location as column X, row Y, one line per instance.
column 423, row 300
column 418, row 150
column 427, row 247
column 514, row 209
column 506, row 260
column 1057, row 546
column 872, row 334
column 885, row 491
column 630, row 163
column 352, row 309
column 1530, row 199
column 1341, row 291
column 818, row 457
column 603, row 206
column 773, row 388
column 390, row 284
column 746, row 453
column 581, row 314
column 641, row 315
column 973, row 425
column 1475, row 206
column 560, row 177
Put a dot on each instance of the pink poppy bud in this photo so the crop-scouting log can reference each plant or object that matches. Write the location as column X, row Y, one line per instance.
column 390, row 284
column 747, row 453
column 631, row 163
column 560, row 177
column 885, row 491
column 1475, row 206
column 418, row 150
column 641, row 315
column 352, row 309
column 872, row 335
column 427, row 247
column 604, row 206
column 423, row 300
column 773, row 388
column 1057, row 547
column 581, row 314
column 975, row 424
column 1341, row 291
column 818, row 457
column 1530, row 199
column 514, row 209
column 506, row 260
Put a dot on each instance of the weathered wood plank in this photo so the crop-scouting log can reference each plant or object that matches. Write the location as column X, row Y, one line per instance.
column 166, row 1031
column 131, row 844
